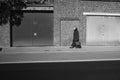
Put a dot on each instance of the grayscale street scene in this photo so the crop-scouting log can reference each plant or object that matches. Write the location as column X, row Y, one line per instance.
column 60, row 39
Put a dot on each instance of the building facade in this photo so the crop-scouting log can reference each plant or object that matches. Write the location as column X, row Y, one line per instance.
column 89, row 16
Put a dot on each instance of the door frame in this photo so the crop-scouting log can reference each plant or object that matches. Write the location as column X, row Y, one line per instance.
column 29, row 11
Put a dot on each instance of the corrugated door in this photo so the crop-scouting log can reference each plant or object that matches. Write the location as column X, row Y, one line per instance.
column 22, row 35
column 103, row 30
column 36, row 30
column 42, row 29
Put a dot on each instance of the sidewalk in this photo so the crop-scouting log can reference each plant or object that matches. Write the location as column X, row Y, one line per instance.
column 15, row 50
column 59, row 54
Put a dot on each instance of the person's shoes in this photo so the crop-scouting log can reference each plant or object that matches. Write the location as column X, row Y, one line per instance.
column 0, row 49
column 71, row 47
column 78, row 46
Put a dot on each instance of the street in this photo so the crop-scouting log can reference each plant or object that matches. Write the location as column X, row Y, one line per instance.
column 88, row 63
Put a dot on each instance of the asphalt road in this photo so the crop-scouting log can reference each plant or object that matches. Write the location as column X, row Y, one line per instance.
column 88, row 63
column 100, row 70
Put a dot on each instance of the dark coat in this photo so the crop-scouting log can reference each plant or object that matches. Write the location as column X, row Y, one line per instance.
column 76, row 35
column 76, row 43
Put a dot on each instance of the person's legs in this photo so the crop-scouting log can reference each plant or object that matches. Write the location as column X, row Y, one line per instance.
column 73, row 45
column 78, row 44
column 0, row 49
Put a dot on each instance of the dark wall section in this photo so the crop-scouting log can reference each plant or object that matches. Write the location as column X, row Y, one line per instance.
column 36, row 29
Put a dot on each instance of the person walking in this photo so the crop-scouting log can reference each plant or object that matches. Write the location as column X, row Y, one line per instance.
column 75, row 43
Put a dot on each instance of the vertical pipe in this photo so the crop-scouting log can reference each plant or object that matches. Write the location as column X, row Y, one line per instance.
column 11, row 34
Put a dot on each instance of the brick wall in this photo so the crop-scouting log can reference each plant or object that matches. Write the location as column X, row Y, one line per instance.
column 5, row 36
column 68, row 9
column 74, row 9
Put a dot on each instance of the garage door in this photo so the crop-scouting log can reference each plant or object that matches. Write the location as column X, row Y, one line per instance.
column 36, row 29
column 103, row 30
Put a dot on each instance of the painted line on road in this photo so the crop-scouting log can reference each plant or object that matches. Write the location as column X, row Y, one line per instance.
column 58, row 61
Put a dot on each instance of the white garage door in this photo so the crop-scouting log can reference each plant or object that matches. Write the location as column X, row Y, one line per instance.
column 103, row 30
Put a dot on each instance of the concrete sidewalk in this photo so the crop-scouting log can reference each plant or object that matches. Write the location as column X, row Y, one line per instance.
column 59, row 54
column 15, row 50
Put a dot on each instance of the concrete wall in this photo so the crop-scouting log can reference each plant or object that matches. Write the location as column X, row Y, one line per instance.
column 94, row 6
column 5, row 36
column 63, row 9
column 70, row 10
column 73, row 9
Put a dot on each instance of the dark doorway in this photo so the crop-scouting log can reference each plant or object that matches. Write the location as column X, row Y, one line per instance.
column 36, row 29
